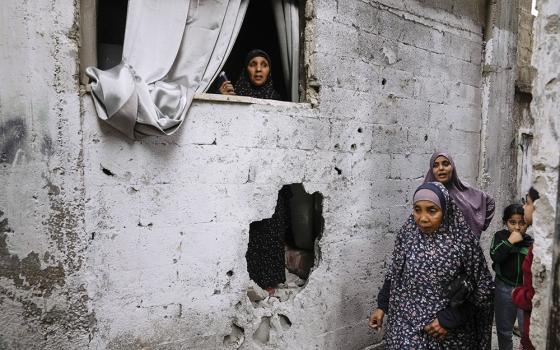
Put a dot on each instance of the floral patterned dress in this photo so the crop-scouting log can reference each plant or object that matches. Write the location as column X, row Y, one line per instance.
column 423, row 264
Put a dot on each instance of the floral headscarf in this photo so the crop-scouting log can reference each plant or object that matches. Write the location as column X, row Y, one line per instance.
column 454, row 234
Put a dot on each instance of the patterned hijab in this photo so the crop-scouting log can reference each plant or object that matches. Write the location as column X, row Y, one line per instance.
column 457, row 235
column 243, row 86
column 477, row 206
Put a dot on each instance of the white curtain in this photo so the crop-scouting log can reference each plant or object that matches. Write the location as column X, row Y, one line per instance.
column 286, row 13
column 172, row 50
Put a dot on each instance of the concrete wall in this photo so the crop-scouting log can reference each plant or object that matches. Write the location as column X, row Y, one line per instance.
column 116, row 244
column 546, row 156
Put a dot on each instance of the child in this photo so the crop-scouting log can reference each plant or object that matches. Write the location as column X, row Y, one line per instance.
column 508, row 250
column 522, row 296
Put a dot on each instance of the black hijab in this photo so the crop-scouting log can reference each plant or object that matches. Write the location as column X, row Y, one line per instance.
column 243, row 87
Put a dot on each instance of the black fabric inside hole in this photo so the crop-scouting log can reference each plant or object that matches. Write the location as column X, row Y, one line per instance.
column 287, row 240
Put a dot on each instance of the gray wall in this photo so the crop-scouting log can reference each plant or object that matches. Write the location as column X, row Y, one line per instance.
column 546, row 156
column 139, row 258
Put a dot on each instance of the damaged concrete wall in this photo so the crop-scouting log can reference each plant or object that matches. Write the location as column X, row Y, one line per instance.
column 499, row 108
column 147, row 241
column 43, row 297
column 544, row 108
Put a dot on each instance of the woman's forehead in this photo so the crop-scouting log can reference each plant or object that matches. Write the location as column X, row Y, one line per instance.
column 441, row 158
column 425, row 203
column 258, row 58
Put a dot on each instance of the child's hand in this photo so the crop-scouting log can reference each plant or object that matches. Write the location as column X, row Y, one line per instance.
column 515, row 237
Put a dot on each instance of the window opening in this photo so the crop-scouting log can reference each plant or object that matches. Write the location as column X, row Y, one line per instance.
column 282, row 249
column 111, row 24
column 257, row 32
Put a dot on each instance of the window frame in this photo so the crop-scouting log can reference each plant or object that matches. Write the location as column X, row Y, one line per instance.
column 308, row 85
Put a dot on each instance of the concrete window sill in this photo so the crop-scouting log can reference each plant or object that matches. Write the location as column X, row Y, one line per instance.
column 246, row 100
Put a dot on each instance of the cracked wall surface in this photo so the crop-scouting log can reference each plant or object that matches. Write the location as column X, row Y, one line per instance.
column 114, row 244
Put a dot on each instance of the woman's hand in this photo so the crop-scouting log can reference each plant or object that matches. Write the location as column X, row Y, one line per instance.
column 515, row 237
column 436, row 330
column 227, row 88
column 376, row 319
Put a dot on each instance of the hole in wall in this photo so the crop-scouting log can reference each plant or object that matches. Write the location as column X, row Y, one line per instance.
column 262, row 334
column 360, row 130
column 338, row 170
column 282, row 250
column 236, row 337
column 107, row 171
column 383, row 81
column 285, row 322
column 229, row 273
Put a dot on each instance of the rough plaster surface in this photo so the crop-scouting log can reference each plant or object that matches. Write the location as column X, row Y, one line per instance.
column 113, row 244
column 545, row 107
column 42, row 243
column 498, row 149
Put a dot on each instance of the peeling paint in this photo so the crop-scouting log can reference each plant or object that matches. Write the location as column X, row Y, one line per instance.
column 27, row 273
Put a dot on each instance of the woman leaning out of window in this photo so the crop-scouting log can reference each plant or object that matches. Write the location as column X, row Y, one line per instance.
column 255, row 80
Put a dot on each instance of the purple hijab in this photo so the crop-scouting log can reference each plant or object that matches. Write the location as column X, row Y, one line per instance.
column 477, row 206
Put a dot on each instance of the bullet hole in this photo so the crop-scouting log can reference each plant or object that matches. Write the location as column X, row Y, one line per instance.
column 284, row 322
column 107, row 171
column 92, row 236
column 339, row 171
column 217, row 292
column 425, row 137
column 337, row 146
column 229, row 273
column 131, row 190
column 353, row 147
column 383, row 81
column 360, row 130
column 142, row 225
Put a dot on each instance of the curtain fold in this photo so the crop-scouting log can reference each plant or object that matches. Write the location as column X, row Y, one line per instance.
column 286, row 15
column 172, row 50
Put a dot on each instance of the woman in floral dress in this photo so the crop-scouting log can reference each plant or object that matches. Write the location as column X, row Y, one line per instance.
column 434, row 251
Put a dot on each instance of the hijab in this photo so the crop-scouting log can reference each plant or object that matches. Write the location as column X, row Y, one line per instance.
column 477, row 206
column 430, row 192
column 244, row 87
column 458, row 235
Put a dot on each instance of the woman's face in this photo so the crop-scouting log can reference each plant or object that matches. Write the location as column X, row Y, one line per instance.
column 442, row 169
column 427, row 215
column 516, row 223
column 258, row 70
